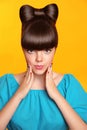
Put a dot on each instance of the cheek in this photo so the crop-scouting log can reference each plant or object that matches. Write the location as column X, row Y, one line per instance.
column 49, row 60
column 29, row 59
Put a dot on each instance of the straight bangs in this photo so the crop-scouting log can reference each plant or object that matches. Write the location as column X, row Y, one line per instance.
column 39, row 35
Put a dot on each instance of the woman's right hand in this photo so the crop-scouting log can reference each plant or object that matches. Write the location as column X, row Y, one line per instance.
column 26, row 84
column 14, row 102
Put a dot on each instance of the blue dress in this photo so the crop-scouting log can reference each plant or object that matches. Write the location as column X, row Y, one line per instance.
column 37, row 111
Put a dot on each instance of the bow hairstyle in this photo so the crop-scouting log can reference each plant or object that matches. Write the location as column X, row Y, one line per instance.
column 28, row 12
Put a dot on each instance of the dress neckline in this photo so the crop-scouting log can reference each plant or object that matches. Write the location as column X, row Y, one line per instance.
column 37, row 89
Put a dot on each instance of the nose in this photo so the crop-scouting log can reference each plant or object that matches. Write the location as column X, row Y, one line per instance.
column 39, row 56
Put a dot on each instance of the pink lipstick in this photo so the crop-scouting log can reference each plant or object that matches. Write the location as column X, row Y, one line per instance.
column 39, row 67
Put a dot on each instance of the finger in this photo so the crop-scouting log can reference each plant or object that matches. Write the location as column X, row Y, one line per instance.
column 29, row 74
column 30, row 69
column 31, row 79
column 47, row 73
column 50, row 69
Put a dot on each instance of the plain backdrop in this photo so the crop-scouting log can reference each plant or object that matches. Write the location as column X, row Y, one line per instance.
column 71, row 54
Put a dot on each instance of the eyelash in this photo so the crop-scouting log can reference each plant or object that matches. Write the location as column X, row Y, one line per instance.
column 30, row 51
column 47, row 51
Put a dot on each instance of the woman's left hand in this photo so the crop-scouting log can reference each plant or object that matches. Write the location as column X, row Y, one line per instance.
column 70, row 116
column 50, row 84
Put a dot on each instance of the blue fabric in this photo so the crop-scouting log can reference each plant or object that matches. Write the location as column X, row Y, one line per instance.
column 37, row 111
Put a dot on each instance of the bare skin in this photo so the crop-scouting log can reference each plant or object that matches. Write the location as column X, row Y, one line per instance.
column 32, row 78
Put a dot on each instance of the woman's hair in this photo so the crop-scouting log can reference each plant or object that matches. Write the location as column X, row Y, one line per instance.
column 38, row 27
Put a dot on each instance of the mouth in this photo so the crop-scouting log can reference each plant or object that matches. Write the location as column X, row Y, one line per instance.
column 39, row 67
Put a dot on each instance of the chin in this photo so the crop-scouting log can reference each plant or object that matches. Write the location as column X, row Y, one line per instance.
column 39, row 72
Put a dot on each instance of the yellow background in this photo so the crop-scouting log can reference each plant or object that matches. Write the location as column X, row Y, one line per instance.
column 71, row 55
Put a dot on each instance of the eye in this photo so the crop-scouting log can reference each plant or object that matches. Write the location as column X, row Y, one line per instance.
column 30, row 51
column 47, row 51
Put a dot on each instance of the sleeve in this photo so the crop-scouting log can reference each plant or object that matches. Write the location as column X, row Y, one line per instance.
column 77, row 97
column 3, row 91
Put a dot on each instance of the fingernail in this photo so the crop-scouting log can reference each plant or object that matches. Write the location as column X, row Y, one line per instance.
column 30, row 72
column 28, row 66
column 48, row 71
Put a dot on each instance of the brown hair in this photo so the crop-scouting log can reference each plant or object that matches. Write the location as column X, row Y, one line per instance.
column 38, row 27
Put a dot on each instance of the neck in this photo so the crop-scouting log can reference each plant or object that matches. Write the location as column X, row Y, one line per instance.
column 39, row 82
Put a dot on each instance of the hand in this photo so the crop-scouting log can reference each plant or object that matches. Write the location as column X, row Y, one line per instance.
column 26, row 84
column 50, row 84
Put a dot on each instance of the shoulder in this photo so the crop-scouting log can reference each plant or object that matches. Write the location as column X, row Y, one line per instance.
column 4, row 77
column 7, row 81
column 19, row 77
column 57, row 77
column 4, row 82
column 67, row 79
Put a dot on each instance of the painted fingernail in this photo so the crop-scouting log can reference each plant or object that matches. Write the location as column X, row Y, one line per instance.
column 28, row 66
column 48, row 71
column 30, row 73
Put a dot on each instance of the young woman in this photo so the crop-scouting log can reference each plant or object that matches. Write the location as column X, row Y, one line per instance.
column 40, row 99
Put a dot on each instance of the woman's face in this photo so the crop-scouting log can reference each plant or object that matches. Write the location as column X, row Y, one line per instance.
column 39, row 60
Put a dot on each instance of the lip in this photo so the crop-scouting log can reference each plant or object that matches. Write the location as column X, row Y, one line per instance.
column 39, row 67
